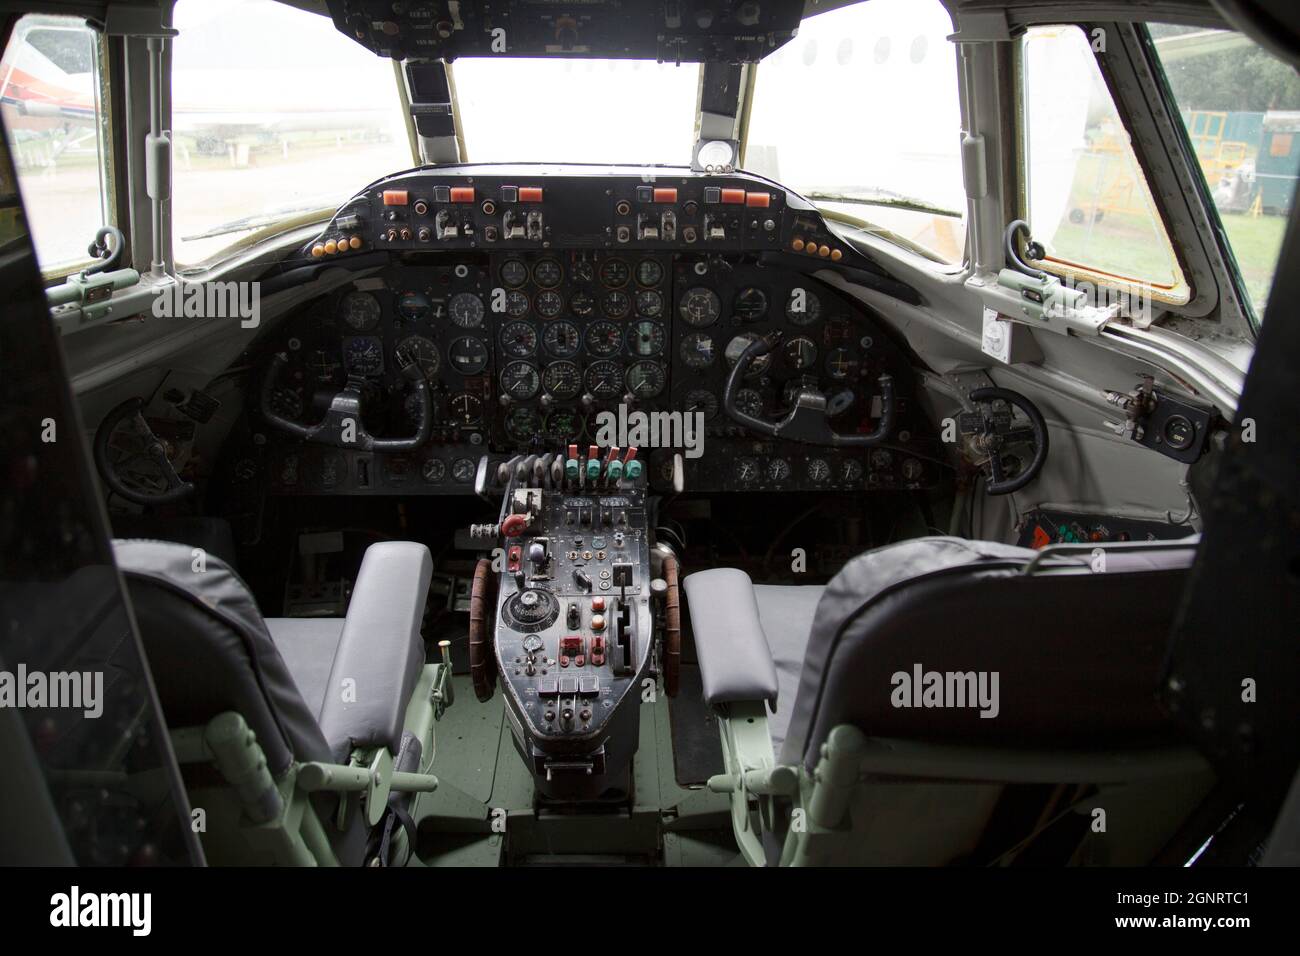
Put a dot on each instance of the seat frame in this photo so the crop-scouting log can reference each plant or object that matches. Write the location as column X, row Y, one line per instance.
column 258, row 818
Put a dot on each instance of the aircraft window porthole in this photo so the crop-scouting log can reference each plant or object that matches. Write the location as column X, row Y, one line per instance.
column 919, row 45
column 882, row 50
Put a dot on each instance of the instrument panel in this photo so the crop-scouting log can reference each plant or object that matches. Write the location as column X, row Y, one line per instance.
column 532, row 345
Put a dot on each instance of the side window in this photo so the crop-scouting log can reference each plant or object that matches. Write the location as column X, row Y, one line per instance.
column 1085, row 196
column 53, row 95
column 861, row 114
column 1241, row 107
column 275, row 115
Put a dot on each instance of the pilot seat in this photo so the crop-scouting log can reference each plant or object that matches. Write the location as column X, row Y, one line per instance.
column 300, row 740
column 951, row 701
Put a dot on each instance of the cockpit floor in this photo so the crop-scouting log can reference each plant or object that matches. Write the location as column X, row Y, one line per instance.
column 484, row 812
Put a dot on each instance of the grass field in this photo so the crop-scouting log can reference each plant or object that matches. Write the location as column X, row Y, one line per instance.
column 1117, row 236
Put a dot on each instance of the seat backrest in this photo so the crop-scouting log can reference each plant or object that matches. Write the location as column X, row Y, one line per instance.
column 1075, row 648
column 210, row 652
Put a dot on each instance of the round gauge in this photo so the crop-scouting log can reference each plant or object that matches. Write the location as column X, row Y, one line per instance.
column 818, row 470
column 1179, row 432
column 749, row 401
column 466, row 409
column 802, row 308
column 616, row 305
column 746, row 470
column 646, row 379
column 518, row 339
column 463, row 469
column 522, row 423
column 360, row 311
column 696, row 350
column 562, row 380
column 466, row 310
column 801, row 352
column 549, row 304
column 702, row 401
column 583, row 271
column 882, row 459
column 851, row 471
column 749, row 305
column 840, row 364
column 700, row 307
column 603, row 338
column 912, row 469
column 563, row 423
column 363, row 355
column 582, row 304
column 649, row 303
column 323, row 365
column 418, row 349
column 548, row 273
column 561, row 339
column 738, row 345
column 649, row 272
column 517, row 304
column 646, row 338
column 468, row 355
column 778, row 469
column 413, row 305
column 614, row 273
column 287, row 402
column 514, row 273
column 604, row 379
column 433, row 470
column 520, row 380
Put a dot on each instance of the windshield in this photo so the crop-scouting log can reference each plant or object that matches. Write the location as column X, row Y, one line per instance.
column 860, row 113
column 261, row 132
column 578, row 111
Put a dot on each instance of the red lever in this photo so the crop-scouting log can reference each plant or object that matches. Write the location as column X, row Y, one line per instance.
column 514, row 525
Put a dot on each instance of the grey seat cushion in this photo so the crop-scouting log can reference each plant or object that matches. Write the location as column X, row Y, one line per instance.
column 307, row 646
column 786, row 612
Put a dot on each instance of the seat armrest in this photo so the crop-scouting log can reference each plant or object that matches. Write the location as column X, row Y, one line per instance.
column 735, row 660
column 380, row 652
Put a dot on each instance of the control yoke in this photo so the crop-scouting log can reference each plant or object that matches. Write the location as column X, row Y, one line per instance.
column 809, row 420
column 342, row 426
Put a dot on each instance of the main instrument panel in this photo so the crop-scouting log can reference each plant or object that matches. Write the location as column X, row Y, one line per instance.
column 606, row 309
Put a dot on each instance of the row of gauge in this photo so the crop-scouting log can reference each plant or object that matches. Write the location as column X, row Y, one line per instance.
column 760, row 472
column 700, row 306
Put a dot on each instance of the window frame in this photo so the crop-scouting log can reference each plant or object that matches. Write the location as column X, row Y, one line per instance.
column 1224, row 242
column 1077, row 271
column 110, row 138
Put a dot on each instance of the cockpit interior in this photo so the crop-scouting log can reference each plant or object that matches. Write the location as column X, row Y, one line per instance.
column 687, row 433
